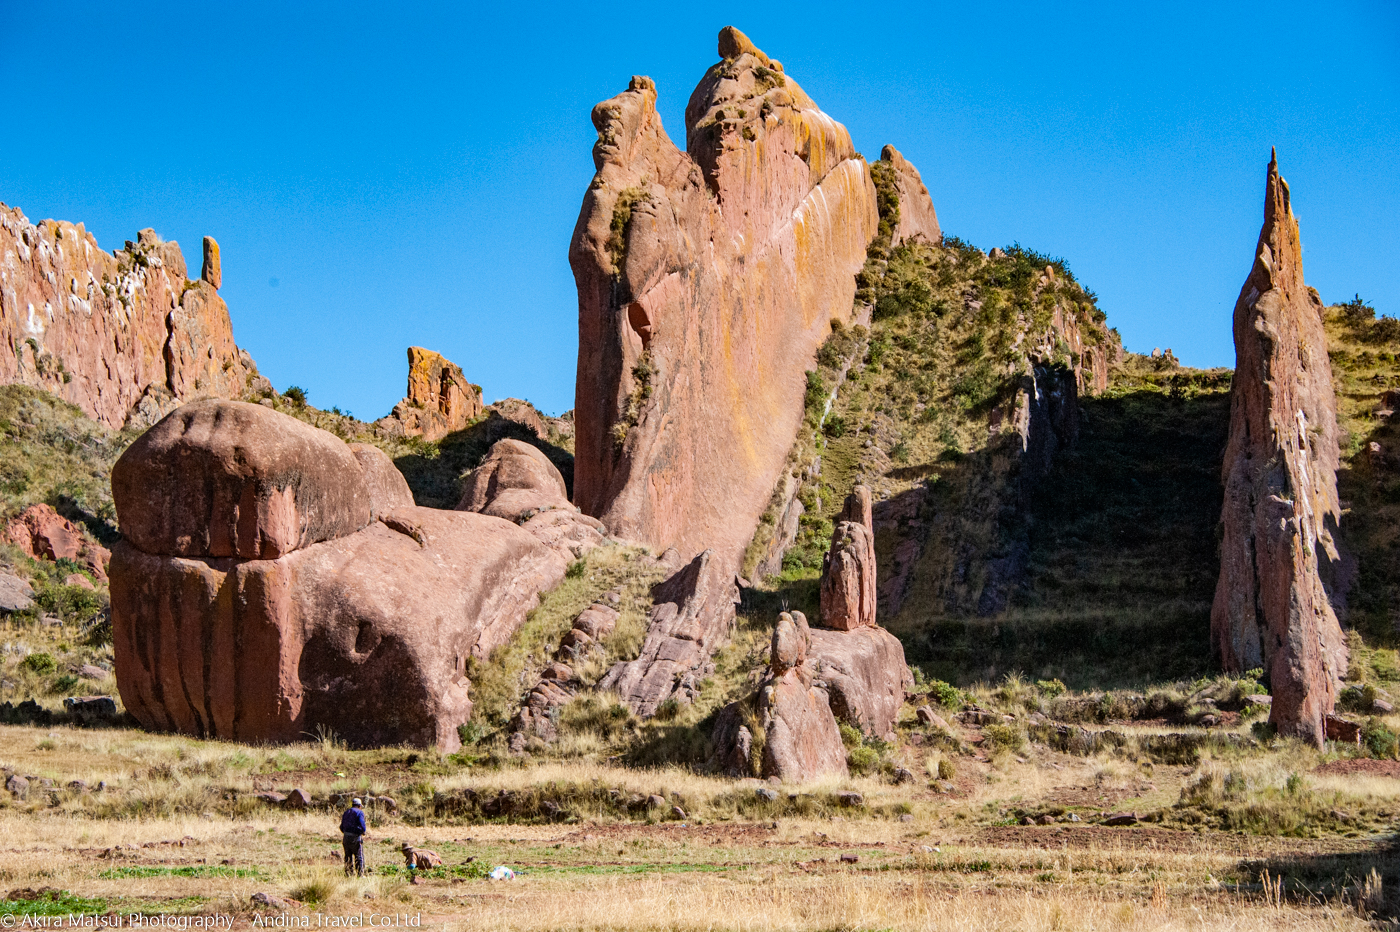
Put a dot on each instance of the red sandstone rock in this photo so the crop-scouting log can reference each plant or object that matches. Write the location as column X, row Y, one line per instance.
column 522, row 413
column 693, row 611
column 366, row 635
column 864, row 674
column 440, row 400
column 1281, row 508
column 514, row 478
column 516, row 481
column 707, row 279
column 44, row 534
column 386, row 486
column 917, row 218
column 101, row 330
column 227, row 478
column 213, row 269
column 848, row 571
column 802, row 741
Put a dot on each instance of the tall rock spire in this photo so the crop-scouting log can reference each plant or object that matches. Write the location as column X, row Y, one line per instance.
column 1281, row 506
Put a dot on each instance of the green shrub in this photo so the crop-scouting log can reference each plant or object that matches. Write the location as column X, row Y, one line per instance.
column 1051, row 688
column 1379, row 740
column 296, row 395
column 470, row 733
column 576, row 569
column 850, row 735
column 946, row 694
column 40, row 663
column 1004, row 738
column 863, row 760
column 946, row 770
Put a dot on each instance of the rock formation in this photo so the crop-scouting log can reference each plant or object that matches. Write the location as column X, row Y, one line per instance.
column 1281, row 507
column 707, row 279
column 271, row 585
column 848, row 572
column 800, row 740
column 124, row 336
column 693, row 612
column 518, row 482
column 44, row 534
column 440, row 400
column 864, row 676
column 917, row 218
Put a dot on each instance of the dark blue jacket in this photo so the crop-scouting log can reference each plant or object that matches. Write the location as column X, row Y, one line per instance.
column 353, row 822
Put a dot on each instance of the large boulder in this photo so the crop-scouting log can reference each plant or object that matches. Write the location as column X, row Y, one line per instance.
column 801, row 739
column 1281, row 508
column 111, row 332
column 440, row 400
column 514, row 478
column 516, row 481
column 864, row 675
column 693, row 611
column 848, row 570
column 231, row 479
column 917, row 218
column 386, row 486
column 707, row 279
column 349, row 626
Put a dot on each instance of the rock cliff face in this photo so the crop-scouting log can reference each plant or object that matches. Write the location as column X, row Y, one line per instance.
column 124, row 336
column 440, row 400
column 274, row 581
column 917, row 217
column 1281, row 506
column 707, row 279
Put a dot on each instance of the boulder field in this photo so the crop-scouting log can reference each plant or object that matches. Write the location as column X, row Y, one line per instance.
column 274, row 582
column 1281, row 509
column 707, row 279
column 122, row 335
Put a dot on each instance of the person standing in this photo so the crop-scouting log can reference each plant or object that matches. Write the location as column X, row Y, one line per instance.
column 353, row 829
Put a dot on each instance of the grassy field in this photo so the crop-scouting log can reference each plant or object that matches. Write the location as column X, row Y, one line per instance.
column 176, row 828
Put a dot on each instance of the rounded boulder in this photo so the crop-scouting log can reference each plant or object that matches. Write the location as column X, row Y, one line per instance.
column 230, row 479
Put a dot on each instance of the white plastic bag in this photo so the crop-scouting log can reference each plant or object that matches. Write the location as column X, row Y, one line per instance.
column 501, row 873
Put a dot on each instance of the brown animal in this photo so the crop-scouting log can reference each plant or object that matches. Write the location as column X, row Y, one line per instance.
column 420, row 859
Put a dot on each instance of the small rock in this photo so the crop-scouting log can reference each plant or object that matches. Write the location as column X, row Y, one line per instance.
column 298, row 799
column 1209, row 720
column 1121, row 818
column 907, row 817
column 903, row 775
column 677, row 813
column 272, row 901
column 16, row 595
column 77, row 786
column 1383, row 706
column 1074, row 817
column 1046, row 819
column 271, row 798
column 1339, row 729
column 388, row 802
column 848, row 858
column 89, row 672
column 850, row 798
column 18, row 786
column 765, row 794
column 1259, row 700
column 79, row 580
column 654, row 800
column 86, row 707
column 1027, row 820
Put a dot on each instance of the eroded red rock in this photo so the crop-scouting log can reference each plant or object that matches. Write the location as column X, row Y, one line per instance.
column 107, row 331
column 44, row 534
column 864, row 674
column 917, row 218
column 227, row 478
column 707, row 279
column 848, row 571
column 801, row 739
column 440, row 400
column 365, row 635
column 1281, row 508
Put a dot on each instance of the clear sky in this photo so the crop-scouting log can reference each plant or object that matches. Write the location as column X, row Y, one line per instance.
column 380, row 175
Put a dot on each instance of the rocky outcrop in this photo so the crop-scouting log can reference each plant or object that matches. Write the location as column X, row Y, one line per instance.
column 262, row 603
column 384, row 484
column 125, row 336
column 44, row 534
column 558, row 684
column 707, row 279
column 440, row 400
column 1281, row 509
column 848, row 571
column 801, row 740
column 917, row 218
column 864, row 676
column 517, row 482
column 232, row 479
column 693, row 611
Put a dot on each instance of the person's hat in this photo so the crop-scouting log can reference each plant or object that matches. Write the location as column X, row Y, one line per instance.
column 406, row 846
column 358, row 801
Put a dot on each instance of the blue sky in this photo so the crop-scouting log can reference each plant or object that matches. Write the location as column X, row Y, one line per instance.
column 384, row 175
